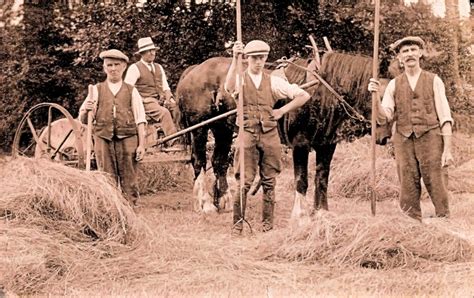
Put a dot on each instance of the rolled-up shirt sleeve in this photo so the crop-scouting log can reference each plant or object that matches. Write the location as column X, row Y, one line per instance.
column 282, row 89
column 132, row 75
column 388, row 104
column 138, row 109
column 166, row 86
column 82, row 110
column 441, row 102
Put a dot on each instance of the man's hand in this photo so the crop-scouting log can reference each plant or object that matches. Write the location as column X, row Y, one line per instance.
column 89, row 105
column 447, row 158
column 374, row 85
column 140, row 153
column 277, row 114
column 170, row 103
column 238, row 48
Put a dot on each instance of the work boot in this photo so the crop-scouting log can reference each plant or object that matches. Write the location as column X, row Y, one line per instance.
column 267, row 211
column 238, row 215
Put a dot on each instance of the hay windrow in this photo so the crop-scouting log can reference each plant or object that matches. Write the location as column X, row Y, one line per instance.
column 373, row 242
column 80, row 204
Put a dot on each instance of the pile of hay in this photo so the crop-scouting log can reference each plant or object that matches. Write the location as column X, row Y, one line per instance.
column 81, row 204
column 371, row 242
column 59, row 222
column 351, row 172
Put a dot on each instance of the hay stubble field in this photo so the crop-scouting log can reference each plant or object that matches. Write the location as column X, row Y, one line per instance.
column 58, row 240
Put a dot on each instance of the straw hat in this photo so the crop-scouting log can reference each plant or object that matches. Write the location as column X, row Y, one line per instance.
column 256, row 47
column 407, row 40
column 145, row 44
column 113, row 54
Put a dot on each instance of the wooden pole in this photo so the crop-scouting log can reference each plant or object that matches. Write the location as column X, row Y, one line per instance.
column 213, row 119
column 240, row 112
column 89, row 133
column 375, row 98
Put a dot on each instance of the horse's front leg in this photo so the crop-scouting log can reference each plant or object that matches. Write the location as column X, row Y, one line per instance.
column 299, row 214
column 220, row 164
column 198, row 155
column 324, row 154
column 202, row 200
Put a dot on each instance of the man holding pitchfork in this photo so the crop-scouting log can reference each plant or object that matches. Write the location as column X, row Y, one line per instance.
column 118, row 124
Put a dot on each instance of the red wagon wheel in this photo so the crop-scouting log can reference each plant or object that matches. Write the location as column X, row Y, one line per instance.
column 54, row 135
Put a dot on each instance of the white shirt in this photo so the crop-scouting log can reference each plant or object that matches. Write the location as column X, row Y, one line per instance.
column 133, row 74
column 440, row 100
column 280, row 87
column 137, row 102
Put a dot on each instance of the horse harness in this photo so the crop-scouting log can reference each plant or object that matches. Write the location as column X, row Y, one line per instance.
column 345, row 105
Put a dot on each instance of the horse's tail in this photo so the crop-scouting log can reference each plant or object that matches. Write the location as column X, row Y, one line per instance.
column 180, row 119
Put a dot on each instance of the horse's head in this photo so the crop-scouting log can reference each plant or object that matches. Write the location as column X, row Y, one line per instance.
column 298, row 71
column 383, row 133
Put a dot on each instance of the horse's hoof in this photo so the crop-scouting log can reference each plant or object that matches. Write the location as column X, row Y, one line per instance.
column 225, row 202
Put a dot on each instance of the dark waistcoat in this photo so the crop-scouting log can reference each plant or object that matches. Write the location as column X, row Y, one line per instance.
column 258, row 103
column 415, row 110
column 114, row 116
column 149, row 84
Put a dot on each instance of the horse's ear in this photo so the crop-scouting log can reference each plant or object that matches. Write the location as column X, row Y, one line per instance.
column 395, row 68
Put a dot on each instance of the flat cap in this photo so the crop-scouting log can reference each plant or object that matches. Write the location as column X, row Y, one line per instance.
column 114, row 54
column 407, row 40
column 256, row 47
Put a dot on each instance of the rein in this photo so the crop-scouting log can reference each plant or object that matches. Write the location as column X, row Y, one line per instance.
column 345, row 105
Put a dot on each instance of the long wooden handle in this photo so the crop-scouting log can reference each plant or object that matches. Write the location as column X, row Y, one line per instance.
column 240, row 109
column 89, row 133
column 375, row 97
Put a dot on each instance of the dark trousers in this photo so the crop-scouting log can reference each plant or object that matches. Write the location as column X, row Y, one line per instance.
column 421, row 158
column 117, row 157
column 263, row 151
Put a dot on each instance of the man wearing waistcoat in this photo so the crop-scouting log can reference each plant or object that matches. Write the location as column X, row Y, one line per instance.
column 119, row 124
column 150, row 80
column 262, row 147
column 417, row 101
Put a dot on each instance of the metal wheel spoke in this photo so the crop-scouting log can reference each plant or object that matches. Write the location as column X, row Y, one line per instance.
column 33, row 132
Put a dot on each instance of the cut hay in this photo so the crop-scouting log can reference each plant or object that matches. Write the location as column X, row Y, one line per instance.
column 351, row 172
column 372, row 242
column 155, row 177
column 61, row 224
column 80, row 204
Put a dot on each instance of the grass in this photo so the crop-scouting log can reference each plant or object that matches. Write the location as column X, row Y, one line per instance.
column 182, row 253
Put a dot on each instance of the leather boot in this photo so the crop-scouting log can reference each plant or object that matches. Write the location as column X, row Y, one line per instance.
column 238, row 215
column 267, row 211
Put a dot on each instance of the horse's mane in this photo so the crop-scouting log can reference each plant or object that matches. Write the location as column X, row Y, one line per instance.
column 349, row 75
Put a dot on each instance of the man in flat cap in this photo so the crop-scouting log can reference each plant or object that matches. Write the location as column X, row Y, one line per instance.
column 119, row 124
column 417, row 101
column 150, row 80
column 261, row 140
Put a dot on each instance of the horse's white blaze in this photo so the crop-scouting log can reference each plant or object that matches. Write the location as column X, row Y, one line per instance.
column 202, row 199
column 299, row 214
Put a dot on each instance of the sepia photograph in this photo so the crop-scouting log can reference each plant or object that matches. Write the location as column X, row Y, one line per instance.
column 236, row 148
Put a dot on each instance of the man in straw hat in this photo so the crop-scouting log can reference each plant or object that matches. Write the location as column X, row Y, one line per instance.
column 150, row 80
column 416, row 100
column 119, row 123
column 262, row 147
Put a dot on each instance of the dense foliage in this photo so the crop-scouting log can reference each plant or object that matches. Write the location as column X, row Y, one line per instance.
column 54, row 54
